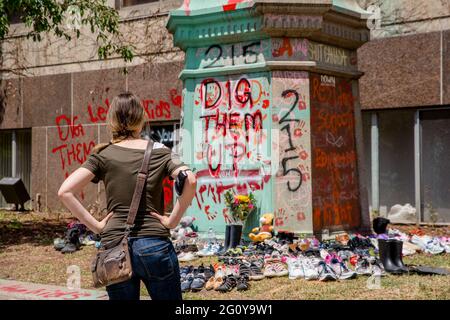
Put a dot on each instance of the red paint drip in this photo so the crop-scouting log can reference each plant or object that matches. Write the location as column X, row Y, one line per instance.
column 186, row 8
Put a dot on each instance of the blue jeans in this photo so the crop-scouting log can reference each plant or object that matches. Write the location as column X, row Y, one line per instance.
column 155, row 262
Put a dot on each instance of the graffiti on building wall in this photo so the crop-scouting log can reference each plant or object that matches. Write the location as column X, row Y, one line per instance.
column 73, row 143
column 335, row 184
column 278, row 49
column 73, row 146
column 290, row 115
column 155, row 109
column 331, row 55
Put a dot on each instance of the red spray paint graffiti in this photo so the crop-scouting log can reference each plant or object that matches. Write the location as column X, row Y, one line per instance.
column 335, row 183
column 74, row 146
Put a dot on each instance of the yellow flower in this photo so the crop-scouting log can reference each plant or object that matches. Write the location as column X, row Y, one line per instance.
column 242, row 198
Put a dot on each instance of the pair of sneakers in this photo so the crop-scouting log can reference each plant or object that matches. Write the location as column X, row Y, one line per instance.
column 275, row 268
column 194, row 279
column 333, row 268
column 232, row 281
column 428, row 244
column 302, row 268
column 251, row 270
column 209, row 250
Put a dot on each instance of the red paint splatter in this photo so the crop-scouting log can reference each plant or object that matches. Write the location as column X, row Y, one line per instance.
column 186, row 8
column 266, row 104
column 231, row 5
column 286, row 47
column 175, row 97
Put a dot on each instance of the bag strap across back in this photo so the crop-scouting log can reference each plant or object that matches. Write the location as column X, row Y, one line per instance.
column 140, row 183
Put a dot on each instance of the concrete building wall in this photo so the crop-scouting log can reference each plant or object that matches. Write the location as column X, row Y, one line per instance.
column 407, row 63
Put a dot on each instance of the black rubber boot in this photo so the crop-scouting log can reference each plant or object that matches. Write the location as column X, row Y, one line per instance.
column 226, row 244
column 397, row 249
column 386, row 250
column 235, row 235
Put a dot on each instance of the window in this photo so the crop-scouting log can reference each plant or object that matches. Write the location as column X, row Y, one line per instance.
column 421, row 180
column 396, row 156
column 435, row 166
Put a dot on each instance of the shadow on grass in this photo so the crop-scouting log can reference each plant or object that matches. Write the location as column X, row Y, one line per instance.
column 27, row 229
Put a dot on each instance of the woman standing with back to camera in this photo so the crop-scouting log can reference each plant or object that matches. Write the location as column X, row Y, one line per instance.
column 152, row 255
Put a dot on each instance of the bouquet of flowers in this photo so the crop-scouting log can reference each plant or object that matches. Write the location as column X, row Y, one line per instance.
column 241, row 206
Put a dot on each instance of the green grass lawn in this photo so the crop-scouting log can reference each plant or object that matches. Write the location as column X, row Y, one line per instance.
column 27, row 254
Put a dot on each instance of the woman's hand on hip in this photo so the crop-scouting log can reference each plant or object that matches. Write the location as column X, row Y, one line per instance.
column 165, row 221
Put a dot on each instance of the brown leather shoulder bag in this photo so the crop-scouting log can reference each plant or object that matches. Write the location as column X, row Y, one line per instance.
column 112, row 263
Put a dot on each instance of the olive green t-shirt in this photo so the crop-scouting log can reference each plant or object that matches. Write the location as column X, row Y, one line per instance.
column 118, row 167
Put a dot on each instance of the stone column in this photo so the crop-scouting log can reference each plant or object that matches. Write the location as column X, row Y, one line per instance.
column 270, row 106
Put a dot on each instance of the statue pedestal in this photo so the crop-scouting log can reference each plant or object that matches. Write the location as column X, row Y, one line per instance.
column 270, row 106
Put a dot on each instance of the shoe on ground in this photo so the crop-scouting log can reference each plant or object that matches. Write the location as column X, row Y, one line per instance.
column 242, row 283
column 434, row 247
column 186, row 283
column 184, row 271
column 363, row 267
column 209, row 285
column 69, row 248
column 209, row 272
column 87, row 242
column 295, row 268
column 255, row 272
column 326, row 273
column 218, row 281
column 186, row 256
column 275, row 269
column 206, row 251
column 341, row 270
column 59, row 243
column 229, row 283
column 198, row 282
column 244, row 269
column 310, row 269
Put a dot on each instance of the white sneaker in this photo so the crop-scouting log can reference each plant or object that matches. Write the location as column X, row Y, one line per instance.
column 342, row 271
column 186, row 256
column 420, row 241
column 310, row 269
column 206, row 251
column 326, row 273
column 434, row 247
column 428, row 244
column 295, row 268
column 275, row 269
